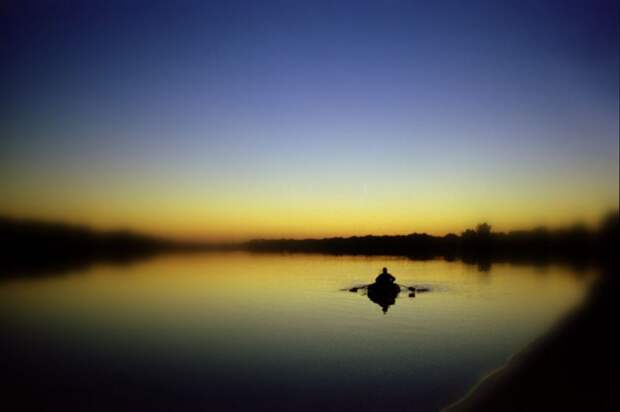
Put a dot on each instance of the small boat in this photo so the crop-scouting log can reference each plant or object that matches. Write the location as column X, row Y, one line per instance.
column 383, row 294
column 385, row 289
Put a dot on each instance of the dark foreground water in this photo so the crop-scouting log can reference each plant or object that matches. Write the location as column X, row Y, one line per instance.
column 265, row 332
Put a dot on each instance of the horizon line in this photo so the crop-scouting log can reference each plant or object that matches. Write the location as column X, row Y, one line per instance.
column 242, row 239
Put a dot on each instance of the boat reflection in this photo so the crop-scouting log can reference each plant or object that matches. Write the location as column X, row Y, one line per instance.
column 383, row 295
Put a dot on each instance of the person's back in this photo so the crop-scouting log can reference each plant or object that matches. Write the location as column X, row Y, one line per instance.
column 385, row 277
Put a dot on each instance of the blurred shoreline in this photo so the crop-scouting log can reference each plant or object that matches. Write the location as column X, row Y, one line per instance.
column 31, row 247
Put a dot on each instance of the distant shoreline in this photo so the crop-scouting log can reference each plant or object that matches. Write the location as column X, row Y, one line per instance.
column 33, row 247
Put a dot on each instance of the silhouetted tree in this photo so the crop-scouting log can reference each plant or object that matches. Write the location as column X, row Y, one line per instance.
column 483, row 230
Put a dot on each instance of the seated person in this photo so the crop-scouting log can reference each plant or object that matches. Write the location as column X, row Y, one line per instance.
column 385, row 277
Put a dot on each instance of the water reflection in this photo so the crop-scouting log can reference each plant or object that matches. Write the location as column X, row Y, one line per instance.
column 383, row 296
column 203, row 328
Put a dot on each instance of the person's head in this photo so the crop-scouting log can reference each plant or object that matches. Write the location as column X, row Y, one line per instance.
column 384, row 270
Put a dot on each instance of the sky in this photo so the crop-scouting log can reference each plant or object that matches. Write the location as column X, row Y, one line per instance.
column 309, row 118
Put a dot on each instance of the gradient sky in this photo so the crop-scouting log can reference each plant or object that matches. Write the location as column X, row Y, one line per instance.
column 293, row 118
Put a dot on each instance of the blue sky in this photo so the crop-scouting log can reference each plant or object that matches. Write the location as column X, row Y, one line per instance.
column 310, row 118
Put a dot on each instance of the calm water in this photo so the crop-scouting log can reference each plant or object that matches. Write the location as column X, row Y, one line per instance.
column 241, row 331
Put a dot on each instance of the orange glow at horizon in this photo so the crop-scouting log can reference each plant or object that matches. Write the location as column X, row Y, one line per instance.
column 195, row 220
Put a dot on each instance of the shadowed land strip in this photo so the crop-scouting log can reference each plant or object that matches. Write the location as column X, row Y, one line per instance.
column 30, row 247
column 573, row 368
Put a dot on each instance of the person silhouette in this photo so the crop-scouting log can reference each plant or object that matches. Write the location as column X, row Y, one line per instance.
column 385, row 277
column 384, row 291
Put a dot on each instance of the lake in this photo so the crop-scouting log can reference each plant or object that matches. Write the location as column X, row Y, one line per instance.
column 240, row 331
